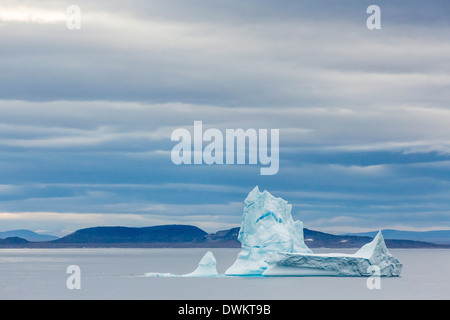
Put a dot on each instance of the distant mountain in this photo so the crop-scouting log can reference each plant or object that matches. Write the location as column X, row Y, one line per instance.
column 186, row 236
column 439, row 236
column 27, row 235
column 224, row 238
column 13, row 241
column 156, row 234
column 316, row 239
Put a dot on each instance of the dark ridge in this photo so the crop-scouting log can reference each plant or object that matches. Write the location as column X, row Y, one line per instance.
column 186, row 236
column 107, row 235
column 316, row 239
column 13, row 241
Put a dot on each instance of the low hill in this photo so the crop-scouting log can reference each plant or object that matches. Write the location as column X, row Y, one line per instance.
column 156, row 234
column 317, row 239
column 27, row 235
column 13, row 241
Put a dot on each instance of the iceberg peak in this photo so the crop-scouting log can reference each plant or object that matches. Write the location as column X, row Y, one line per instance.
column 373, row 247
column 206, row 267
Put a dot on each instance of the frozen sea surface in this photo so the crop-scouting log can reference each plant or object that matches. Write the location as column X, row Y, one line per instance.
column 119, row 274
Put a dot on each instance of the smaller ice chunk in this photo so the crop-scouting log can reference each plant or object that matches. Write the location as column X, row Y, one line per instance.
column 360, row 264
column 205, row 268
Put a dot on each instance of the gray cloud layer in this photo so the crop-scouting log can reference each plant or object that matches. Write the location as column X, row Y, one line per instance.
column 86, row 115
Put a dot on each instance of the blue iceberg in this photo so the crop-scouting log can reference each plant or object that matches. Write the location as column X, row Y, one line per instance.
column 267, row 227
column 273, row 245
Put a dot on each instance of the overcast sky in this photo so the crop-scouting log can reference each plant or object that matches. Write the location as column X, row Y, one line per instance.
column 86, row 115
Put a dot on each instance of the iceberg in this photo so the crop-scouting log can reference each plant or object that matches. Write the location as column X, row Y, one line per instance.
column 267, row 227
column 206, row 268
column 273, row 245
column 374, row 256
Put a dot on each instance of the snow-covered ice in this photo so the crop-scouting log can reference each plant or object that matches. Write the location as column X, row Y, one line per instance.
column 206, row 267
